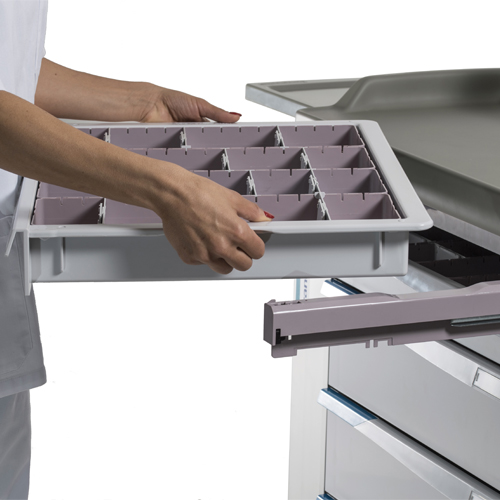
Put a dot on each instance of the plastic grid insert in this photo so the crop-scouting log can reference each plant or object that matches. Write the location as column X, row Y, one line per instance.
column 304, row 172
column 452, row 257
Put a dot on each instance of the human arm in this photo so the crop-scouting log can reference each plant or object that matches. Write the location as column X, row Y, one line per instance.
column 66, row 93
column 201, row 219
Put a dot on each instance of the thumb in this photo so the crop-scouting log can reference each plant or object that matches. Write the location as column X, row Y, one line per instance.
column 252, row 212
column 208, row 110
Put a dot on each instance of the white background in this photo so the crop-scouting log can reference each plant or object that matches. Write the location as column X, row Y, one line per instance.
column 167, row 390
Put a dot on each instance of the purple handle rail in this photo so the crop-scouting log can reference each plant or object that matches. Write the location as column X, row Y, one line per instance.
column 377, row 317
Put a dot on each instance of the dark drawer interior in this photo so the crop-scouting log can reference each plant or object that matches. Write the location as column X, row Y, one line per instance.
column 453, row 257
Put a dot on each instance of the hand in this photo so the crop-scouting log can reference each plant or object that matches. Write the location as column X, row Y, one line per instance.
column 203, row 222
column 165, row 105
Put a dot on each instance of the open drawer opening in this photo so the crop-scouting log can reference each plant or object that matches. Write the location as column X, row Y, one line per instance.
column 453, row 257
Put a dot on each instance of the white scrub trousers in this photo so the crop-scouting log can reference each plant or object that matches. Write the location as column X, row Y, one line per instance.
column 15, row 446
column 21, row 369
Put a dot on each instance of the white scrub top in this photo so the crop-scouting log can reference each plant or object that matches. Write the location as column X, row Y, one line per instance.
column 22, row 35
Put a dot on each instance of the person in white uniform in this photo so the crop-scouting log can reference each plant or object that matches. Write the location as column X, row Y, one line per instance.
column 202, row 220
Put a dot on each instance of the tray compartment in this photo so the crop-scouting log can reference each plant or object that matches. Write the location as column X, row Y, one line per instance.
column 320, row 135
column 230, row 137
column 118, row 213
column 339, row 157
column 141, row 137
column 349, row 181
column 51, row 191
column 290, row 207
column 139, row 151
column 283, row 182
column 191, row 159
column 98, row 132
column 265, row 158
column 360, row 206
column 236, row 181
column 52, row 211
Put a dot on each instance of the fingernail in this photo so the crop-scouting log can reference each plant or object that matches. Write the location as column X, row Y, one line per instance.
column 268, row 215
column 233, row 113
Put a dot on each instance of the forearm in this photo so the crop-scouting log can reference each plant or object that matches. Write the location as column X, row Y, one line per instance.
column 66, row 93
column 34, row 144
column 203, row 221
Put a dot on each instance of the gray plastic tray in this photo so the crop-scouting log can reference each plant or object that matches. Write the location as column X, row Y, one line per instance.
column 444, row 128
column 342, row 204
column 296, row 172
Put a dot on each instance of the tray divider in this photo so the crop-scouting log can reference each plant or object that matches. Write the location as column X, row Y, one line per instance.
column 251, row 189
column 355, row 132
column 225, row 161
column 304, row 160
column 278, row 138
column 323, row 213
column 101, row 211
column 184, row 143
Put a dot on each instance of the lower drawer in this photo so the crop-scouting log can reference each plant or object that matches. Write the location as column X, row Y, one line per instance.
column 488, row 346
column 367, row 458
column 358, row 469
column 459, row 422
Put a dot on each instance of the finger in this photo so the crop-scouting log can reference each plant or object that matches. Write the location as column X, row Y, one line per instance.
column 252, row 212
column 251, row 244
column 214, row 113
column 220, row 266
column 239, row 260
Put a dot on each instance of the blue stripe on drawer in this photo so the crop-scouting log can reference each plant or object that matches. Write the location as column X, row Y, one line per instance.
column 344, row 407
column 343, row 287
column 326, row 496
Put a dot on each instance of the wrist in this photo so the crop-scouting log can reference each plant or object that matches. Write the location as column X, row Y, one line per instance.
column 163, row 186
column 143, row 99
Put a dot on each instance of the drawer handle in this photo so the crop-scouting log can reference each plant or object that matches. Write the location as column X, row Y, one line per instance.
column 476, row 321
column 461, row 363
column 343, row 407
column 440, row 474
column 487, row 383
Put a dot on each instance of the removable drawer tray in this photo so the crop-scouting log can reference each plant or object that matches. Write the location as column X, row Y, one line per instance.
column 367, row 458
column 342, row 205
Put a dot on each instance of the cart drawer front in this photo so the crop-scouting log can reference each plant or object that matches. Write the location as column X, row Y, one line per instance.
column 369, row 458
column 442, row 395
column 488, row 346
column 358, row 469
